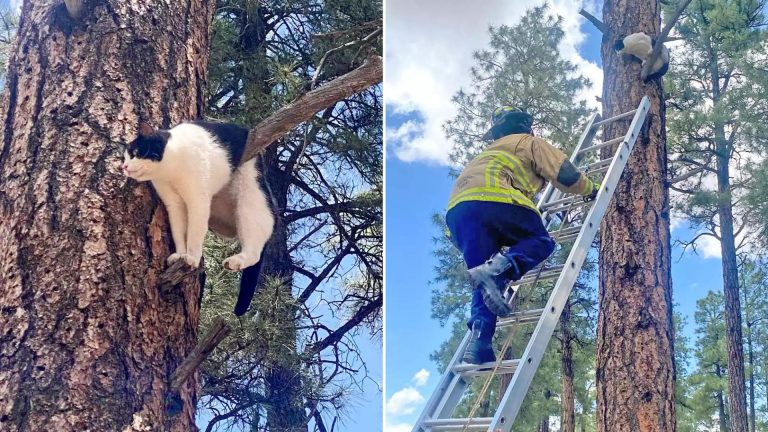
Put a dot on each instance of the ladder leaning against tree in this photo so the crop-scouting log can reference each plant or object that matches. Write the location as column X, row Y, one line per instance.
column 581, row 230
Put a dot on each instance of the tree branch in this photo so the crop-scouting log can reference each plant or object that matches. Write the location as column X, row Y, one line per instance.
column 320, row 65
column 339, row 207
column 599, row 24
column 174, row 274
column 302, row 109
column 703, row 166
column 339, row 333
column 324, row 274
column 218, row 331
column 660, row 40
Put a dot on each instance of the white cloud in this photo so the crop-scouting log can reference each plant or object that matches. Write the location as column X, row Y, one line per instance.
column 429, row 54
column 405, row 402
column 397, row 427
column 16, row 5
column 708, row 247
column 421, row 377
column 676, row 221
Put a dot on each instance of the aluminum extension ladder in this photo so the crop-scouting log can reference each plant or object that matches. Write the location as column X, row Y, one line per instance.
column 436, row 415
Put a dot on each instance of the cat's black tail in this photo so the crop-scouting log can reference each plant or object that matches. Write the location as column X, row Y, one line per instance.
column 248, row 281
column 659, row 73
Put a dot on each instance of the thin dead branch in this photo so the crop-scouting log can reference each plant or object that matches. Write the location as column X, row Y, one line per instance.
column 217, row 333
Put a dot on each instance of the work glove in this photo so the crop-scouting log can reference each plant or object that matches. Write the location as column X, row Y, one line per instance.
column 592, row 195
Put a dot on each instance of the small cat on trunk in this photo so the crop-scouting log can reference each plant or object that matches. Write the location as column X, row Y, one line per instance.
column 196, row 170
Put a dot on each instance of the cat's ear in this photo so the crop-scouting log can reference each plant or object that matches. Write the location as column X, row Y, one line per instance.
column 145, row 129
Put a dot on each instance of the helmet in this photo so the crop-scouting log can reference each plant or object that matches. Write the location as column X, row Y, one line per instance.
column 507, row 120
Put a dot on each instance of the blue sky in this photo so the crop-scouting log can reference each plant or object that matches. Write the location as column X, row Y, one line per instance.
column 418, row 184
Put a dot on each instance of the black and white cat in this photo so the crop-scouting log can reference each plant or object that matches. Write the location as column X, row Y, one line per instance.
column 195, row 169
column 640, row 45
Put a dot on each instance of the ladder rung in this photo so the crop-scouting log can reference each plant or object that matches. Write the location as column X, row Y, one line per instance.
column 468, row 369
column 551, row 204
column 601, row 145
column 573, row 204
column 613, row 119
column 599, row 170
column 567, row 238
column 598, row 164
column 523, row 317
column 458, row 424
column 565, row 232
column 550, row 273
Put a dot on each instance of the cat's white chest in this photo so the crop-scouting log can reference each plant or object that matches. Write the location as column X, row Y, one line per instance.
column 197, row 166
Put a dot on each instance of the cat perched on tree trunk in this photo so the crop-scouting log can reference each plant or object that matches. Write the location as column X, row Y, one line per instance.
column 196, row 170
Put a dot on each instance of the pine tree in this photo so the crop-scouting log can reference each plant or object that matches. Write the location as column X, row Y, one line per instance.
column 715, row 93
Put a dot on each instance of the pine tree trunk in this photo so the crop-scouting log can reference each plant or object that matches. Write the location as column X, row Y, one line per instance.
column 283, row 368
column 88, row 342
column 544, row 425
column 733, row 337
column 568, row 420
column 722, row 415
column 635, row 362
column 734, row 342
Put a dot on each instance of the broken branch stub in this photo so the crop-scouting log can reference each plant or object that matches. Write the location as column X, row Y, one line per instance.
column 217, row 333
column 174, row 274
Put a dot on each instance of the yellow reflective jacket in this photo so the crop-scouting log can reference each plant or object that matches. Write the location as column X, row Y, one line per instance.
column 513, row 169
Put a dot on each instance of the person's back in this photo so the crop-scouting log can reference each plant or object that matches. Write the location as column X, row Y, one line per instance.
column 513, row 168
column 494, row 222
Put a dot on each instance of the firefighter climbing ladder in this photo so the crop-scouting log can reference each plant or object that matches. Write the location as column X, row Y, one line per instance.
column 439, row 408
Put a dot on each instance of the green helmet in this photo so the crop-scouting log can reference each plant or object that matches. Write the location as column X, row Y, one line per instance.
column 507, row 120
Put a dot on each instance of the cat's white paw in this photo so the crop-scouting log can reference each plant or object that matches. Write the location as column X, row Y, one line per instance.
column 238, row 262
column 172, row 258
column 189, row 259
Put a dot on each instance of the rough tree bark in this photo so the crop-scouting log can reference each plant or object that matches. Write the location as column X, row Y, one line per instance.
column 635, row 363
column 568, row 417
column 86, row 340
column 285, row 411
column 737, row 394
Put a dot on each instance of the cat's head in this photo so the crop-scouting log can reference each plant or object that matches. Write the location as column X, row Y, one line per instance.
column 618, row 46
column 142, row 157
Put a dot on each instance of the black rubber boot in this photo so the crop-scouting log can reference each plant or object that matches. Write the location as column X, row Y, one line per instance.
column 480, row 349
column 488, row 277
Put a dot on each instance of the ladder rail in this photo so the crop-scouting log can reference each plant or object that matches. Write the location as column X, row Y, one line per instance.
column 438, row 401
column 518, row 387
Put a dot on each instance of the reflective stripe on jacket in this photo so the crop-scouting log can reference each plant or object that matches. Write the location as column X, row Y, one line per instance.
column 513, row 169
